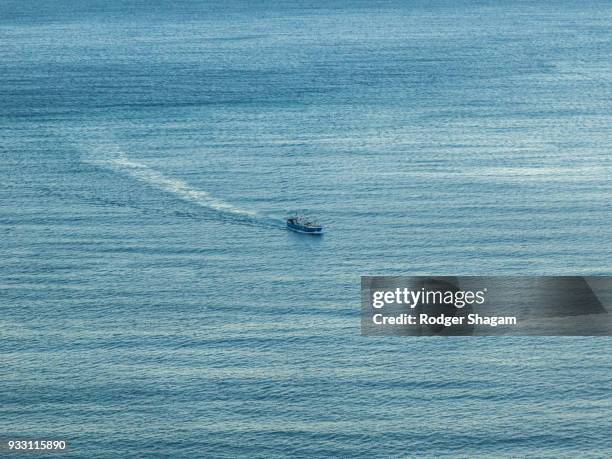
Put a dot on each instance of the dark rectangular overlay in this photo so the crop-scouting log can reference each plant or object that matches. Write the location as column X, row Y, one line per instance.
column 469, row 305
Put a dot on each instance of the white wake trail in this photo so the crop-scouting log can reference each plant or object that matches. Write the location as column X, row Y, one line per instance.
column 146, row 174
column 119, row 162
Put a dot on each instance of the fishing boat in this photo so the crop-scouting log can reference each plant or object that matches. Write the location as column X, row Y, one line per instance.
column 301, row 224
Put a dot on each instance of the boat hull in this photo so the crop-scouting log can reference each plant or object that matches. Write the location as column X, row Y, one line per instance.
column 314, row 230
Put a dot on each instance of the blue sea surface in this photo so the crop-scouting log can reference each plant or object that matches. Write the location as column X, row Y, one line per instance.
column 152, row 303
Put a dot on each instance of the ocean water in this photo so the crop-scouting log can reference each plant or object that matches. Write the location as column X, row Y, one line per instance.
column 152, row 303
